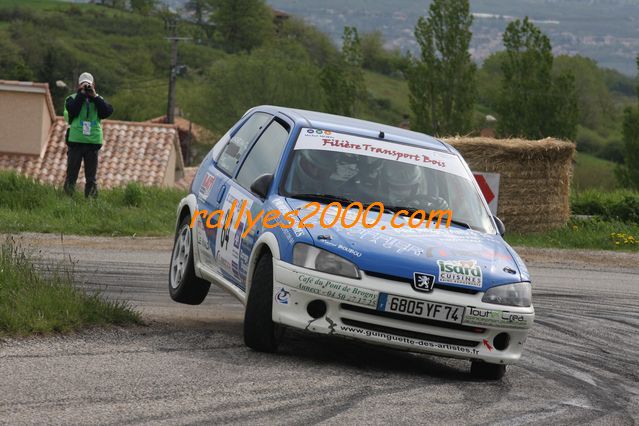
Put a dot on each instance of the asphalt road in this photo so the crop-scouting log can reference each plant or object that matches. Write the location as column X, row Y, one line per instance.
column 189, row 365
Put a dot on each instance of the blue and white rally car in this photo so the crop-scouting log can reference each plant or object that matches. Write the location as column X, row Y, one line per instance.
column 316, row 222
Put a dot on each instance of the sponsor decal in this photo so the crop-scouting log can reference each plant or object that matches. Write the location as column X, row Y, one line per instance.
column 349, row 250
column 423, row 282
column 352, row 144
column 505, row 319
column 386, row 241
column 207, row 185
column 465, row 272
column 490, row 348
column 378, row 335
column 324, row 287
column 282, row 296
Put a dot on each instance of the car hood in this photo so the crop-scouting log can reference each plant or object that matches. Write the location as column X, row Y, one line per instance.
column 456, row 257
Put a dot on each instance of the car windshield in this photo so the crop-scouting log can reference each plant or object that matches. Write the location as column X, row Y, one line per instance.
column 330, row 165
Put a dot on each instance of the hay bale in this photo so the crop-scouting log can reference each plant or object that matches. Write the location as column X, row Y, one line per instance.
column 535, row 178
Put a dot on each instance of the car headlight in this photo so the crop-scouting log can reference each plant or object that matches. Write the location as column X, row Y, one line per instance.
column 324, row 261
column 518, row 294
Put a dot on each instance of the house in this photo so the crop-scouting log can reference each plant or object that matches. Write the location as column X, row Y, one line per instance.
column 32, row 142
column 189, row 133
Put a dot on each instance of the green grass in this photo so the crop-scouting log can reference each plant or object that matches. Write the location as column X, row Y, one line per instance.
column 584, row 234
column 34, row 303
column 390, row 98
column 593, row 172
column 27, row 206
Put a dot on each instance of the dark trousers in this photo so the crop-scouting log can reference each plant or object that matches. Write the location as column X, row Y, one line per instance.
column 76, row 153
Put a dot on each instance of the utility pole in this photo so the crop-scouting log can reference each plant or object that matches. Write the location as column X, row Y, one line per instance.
column 171, row 25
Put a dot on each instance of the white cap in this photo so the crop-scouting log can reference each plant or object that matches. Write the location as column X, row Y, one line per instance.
column 85, row 77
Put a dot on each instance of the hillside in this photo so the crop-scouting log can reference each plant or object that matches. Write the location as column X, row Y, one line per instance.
column 129, row 57
column 605, row 30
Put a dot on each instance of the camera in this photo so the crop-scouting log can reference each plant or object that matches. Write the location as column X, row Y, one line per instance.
column 87, row 87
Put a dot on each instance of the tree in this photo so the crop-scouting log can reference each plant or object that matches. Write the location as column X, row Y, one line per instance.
column 442, row 81
column 200, row 10
column 243, row 24
column 596, row 106
column 280, row 74
column 143, row 7
column 318, row 44
column 343, row 79
column 531, row 103
column 377, row 58
column 628, row 173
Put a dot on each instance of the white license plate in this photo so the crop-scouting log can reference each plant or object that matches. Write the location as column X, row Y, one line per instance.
column 420, row 308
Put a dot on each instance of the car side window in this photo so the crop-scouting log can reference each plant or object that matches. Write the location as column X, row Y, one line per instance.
column 264, row 155
column 239, row 143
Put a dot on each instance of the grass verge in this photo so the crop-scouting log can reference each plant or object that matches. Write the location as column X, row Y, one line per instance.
column 27, row 206
column 584, row 234
column 32, row 303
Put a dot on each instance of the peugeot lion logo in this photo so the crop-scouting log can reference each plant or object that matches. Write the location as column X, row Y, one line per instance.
column 423, row 282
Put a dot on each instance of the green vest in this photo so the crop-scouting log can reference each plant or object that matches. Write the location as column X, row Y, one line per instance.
column 91, row 132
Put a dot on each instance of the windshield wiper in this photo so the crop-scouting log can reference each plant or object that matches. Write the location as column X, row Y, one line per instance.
column 460, row 223
column 321, row 197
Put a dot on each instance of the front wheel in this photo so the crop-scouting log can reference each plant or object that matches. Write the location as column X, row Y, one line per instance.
column 184, row 285
column 486, row 371
column 260, row 332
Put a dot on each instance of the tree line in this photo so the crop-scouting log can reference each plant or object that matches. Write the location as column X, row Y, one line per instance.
column 241, row 54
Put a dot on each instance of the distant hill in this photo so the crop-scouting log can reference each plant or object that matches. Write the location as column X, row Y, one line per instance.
column 605, row 30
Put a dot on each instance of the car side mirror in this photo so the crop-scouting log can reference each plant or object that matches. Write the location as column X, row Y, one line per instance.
column 261, row 185
column 501, row 228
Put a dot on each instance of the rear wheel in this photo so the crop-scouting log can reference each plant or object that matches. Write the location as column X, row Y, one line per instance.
column 486, row 371
column 184, row 285
column 260, row 332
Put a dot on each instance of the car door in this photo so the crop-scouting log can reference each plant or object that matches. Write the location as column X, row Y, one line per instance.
column 214, row 184
column 232, row 250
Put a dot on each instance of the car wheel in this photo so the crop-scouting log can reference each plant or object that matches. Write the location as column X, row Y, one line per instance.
column 260, row 332
column 184, row 285
column 487, row 371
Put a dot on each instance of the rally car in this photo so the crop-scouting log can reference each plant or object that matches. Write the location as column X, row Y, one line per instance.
column 457, row 291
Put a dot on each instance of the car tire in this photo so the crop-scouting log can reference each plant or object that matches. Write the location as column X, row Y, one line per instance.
column 260, row 332
column 184, row 285
column 486, row 371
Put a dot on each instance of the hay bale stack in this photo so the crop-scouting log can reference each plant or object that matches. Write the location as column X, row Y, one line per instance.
column 535, row 178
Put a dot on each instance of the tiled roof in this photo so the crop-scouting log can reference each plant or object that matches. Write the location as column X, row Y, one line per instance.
column 132, row 151
column 185, row 126
column 185, row 182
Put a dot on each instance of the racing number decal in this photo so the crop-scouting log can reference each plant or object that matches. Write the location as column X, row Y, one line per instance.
column 228, row 244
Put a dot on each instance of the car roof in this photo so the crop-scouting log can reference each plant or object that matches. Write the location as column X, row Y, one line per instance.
column 338, row 123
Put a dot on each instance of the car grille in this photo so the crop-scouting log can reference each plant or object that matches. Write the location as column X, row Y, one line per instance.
column 412, row 319
column 409, row 334
column 410, row 281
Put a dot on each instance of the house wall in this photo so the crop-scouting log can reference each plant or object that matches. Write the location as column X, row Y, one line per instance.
column 46, row 126
column 24, row 122
column 169, row 176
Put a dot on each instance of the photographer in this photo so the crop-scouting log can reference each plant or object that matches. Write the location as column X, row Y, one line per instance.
column 83, row 111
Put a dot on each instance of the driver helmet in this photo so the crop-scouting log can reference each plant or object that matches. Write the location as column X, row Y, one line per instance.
column 370, row 166
column 402, row 180
column 315, row 165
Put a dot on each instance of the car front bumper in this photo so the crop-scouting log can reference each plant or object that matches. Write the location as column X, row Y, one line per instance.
column 351, row 311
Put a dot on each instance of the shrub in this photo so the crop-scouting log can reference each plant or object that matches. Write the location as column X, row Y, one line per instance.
column 622, row 205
